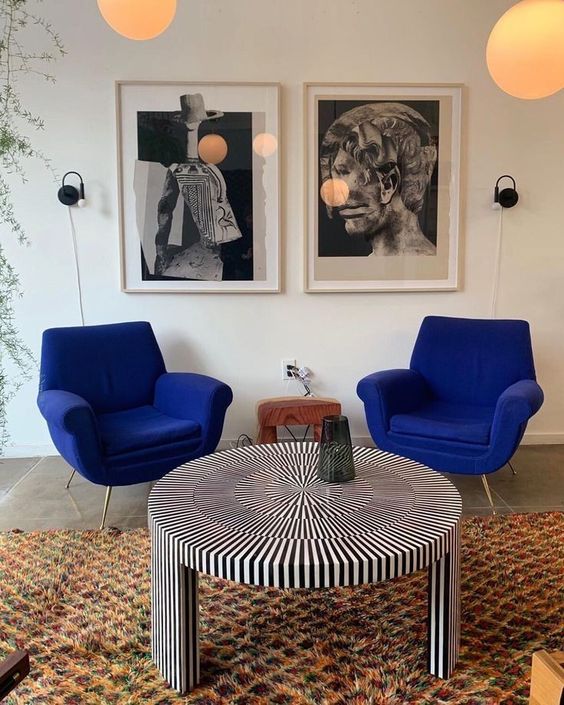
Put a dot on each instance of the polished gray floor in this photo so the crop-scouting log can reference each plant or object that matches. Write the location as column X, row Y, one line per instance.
column 33, row 494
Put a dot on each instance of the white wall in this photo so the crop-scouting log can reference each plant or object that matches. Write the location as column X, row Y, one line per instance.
column 241, row 338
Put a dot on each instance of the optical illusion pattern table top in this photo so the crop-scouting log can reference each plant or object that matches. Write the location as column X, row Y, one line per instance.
column 260, row 515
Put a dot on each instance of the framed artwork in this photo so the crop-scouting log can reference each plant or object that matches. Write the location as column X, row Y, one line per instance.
column 382, row 165
column 199, row 182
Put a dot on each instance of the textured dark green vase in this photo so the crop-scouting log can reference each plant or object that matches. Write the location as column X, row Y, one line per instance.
column 336, row 462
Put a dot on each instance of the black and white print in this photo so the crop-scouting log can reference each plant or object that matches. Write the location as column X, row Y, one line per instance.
column 201, row 163
column 199, row 186
column 384, row 156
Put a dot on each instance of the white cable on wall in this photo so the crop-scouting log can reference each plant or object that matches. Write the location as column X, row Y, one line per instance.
column 77, row 268
column 497, row 268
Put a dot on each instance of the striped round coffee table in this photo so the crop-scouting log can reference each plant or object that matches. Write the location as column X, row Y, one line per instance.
column 259, row 515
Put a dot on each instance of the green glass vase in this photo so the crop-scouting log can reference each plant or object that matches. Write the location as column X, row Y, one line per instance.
column 336, row 462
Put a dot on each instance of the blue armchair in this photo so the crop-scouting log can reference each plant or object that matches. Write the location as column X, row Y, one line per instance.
column 464, row 404
column 115, row 414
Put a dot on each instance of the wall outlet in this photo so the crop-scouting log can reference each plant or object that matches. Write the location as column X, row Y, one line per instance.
column 287, row 362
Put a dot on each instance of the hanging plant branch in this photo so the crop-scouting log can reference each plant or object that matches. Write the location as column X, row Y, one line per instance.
column 15, row 147
column 11, row 347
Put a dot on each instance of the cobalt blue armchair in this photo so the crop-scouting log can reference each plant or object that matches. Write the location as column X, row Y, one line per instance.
column 113, row 411
column 464, row 404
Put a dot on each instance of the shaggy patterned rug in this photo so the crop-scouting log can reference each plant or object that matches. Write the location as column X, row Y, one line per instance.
column 79, row 602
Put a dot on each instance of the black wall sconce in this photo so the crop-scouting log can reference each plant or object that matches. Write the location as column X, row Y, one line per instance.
column 507, row 197
column 69, row 195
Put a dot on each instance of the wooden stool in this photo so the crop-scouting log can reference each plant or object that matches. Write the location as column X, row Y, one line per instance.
column 293, row 411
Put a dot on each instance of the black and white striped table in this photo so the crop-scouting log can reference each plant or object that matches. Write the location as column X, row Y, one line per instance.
column 259, row 515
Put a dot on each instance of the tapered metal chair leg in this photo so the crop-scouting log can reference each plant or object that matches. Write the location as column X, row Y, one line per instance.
column 487, row 488
column 70, row 480
column 106, row 502
column 512, row 468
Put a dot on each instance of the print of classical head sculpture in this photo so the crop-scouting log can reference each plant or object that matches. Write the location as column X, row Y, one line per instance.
column 203, row 189
column 385, row 155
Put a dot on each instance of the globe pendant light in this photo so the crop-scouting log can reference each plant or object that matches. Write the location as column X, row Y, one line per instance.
column 525, row 51
column 212, row 149
column 138, row 19
column 265, row 144
column 334, row 192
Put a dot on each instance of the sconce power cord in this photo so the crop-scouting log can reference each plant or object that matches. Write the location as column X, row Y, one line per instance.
column 302, row 375
column 77, row 268
column 497, row 268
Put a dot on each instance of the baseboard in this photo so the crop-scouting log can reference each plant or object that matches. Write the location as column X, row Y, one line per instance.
column 534, row 438
column 41, row 451
column 29, row 451
column 539, row 438
column 363, row 441
column 530, row 439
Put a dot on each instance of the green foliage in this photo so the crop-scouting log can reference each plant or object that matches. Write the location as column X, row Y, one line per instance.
column 17, row 24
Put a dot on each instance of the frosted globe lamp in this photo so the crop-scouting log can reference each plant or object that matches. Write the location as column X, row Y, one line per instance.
column 265, row 144
column 525, row 51
column 212, row 149
column 334, row 192
column 138, row 19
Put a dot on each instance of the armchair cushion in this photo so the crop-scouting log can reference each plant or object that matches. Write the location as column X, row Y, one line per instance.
column 143, row 427
column 449, row 422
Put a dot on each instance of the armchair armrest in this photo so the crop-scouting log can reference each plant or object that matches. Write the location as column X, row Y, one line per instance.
column 74, row 430
column 186, row 395
column 391, row 392
column 65, row 410
column 388, row 393
column 516, row 405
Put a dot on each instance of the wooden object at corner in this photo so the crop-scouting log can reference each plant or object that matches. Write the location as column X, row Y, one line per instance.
column 547, row 678
column 293, row 411
column 12, row 672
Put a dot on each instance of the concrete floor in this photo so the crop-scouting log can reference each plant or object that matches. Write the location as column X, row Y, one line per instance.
column 33, row 494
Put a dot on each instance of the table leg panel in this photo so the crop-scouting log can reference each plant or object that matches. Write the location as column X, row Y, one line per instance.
column 174, row 616
column 444, row 610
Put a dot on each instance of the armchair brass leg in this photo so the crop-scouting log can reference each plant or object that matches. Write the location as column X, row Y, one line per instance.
column 512, row 468
column 106, row 502
column 70, row 480
column 487, row 488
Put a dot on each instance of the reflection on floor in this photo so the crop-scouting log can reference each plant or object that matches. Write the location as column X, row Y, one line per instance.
column 33, row 494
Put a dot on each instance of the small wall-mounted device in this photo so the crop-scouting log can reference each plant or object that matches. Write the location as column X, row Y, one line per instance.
column 507, row 197
column 69, row 195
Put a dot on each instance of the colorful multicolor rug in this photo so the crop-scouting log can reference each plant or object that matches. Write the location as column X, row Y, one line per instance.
column 79, row 602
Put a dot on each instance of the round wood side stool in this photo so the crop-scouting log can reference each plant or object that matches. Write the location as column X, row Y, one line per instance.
column 293, row 411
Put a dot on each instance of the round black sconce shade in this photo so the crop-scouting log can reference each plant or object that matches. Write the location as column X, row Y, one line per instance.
column 507, row 197
column 70, row 195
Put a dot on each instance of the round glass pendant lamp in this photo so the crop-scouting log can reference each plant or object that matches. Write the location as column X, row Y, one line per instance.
column 212, row 149
column 525, row 51
column 334, row 192
column 265, row 144
column 138, row 19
